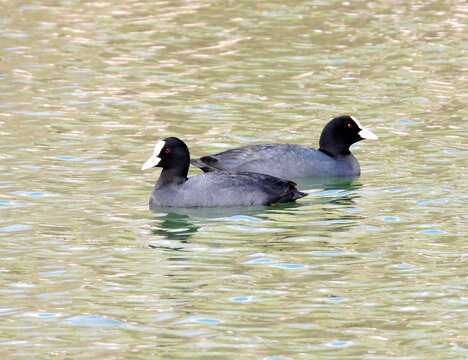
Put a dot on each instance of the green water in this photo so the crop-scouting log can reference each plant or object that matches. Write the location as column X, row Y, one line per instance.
column 373, row 268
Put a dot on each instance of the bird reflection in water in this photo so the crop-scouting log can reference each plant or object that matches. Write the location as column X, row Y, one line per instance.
column 181, row 223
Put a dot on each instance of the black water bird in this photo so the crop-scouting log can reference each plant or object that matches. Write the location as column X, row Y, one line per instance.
column 220, row 188
column 332, row 159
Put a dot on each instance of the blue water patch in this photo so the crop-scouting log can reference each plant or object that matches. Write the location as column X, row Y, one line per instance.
column 93, row 320
column 432, row 231
column 455, row 151
column 339, row 343
column 244, row 217
column 273, row 358
column 406, row 121
column 33, row 193
column 12, row 203
column 337, row 299
column 261, row 261
column 67, row 158
column 16, row 227
column 290, row 266
column 43, row 315
column 5, row 201
column 208, row 321
column 243, row 227
column 402, row 266
column 327, row 192
column 461, row 301
column 420, row 201
column 390, row 218
column 328, row 252
column 36, row 193
column 339, row 221
column 368, row 227
column 241, row 299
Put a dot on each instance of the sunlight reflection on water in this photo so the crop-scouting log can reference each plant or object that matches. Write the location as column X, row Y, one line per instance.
column 362, row 268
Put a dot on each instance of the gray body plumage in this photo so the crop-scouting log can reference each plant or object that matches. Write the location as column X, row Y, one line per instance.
column 223, row 188
column 281, row 160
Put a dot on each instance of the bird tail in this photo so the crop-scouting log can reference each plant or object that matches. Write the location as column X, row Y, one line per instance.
column 292, row 194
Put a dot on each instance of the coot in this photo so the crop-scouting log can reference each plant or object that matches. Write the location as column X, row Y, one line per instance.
column 220, row 188
column 332, row 159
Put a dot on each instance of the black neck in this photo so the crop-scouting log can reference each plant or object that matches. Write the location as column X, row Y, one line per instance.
column 171, row 176
column 336, row 149
column 334, row 145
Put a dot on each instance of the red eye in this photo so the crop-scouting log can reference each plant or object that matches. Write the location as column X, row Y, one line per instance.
column 350, row 125
column 167, row 151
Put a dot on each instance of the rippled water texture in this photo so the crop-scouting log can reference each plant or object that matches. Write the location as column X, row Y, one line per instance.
column 367, row 268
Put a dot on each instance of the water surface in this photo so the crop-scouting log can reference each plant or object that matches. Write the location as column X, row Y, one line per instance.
column 366, row 268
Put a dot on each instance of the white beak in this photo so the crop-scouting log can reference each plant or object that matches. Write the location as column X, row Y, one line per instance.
column 151, row 162
column 154, row 159
column 367, row 135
